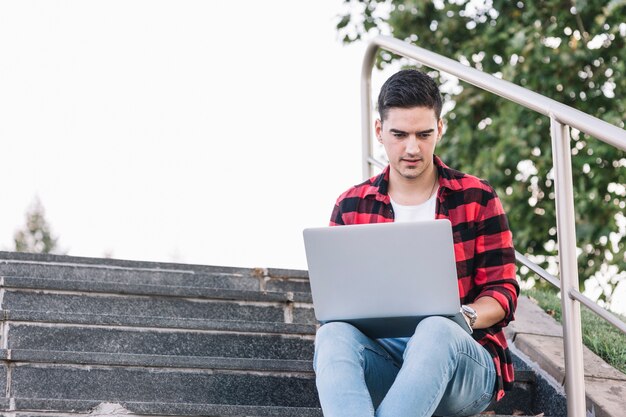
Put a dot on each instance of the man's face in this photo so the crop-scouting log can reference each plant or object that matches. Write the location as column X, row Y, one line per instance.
column 409, row 136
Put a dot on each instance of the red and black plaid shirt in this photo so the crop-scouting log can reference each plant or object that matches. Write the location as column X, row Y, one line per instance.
column 483, row 246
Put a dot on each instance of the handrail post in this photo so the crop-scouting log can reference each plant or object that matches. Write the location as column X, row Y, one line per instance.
column 566, row 235
column 366, row 107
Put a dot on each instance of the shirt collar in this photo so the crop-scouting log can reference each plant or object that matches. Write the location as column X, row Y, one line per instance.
column 379, row 185
column 448, row 178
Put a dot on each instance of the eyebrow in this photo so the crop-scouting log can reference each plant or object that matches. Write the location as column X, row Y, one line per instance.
column 419, row 133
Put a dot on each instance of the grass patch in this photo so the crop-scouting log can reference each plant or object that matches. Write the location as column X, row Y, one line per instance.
column 601, row 337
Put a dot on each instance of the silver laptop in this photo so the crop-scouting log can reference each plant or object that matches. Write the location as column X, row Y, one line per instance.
column 383, row 278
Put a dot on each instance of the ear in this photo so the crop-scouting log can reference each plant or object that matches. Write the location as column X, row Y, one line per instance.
column 378, row 128
column 439, row 129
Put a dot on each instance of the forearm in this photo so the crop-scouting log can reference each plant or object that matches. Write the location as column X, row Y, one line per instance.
column 489, row 312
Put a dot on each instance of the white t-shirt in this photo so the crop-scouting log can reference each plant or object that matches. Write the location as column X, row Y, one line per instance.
column 420, row 212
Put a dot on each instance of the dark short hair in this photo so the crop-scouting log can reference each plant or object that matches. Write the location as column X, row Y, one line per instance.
column 409, row 88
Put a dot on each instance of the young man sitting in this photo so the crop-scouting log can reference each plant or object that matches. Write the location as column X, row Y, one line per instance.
column 440, row 370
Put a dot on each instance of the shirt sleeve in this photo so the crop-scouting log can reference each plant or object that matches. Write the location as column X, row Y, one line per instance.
column 336, row 218
column 495, row 258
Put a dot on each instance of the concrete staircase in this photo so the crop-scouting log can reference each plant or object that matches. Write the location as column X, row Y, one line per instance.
column 105, row 337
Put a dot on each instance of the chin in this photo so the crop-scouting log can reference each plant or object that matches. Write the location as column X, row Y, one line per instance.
column 411, row 175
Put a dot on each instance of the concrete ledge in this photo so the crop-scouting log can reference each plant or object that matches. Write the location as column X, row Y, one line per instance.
column 539, row 336
column 607, row 397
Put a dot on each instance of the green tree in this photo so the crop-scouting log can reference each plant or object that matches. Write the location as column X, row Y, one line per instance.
column 571, row 51
column 36, row 236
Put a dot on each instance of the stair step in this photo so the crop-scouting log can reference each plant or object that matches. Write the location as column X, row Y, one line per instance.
column 180, row 409
column 163, row 409
column 11, row 316
column 154, row 385
column 143, row 391
column 165, row 339
column 143, row 273
column 246, row 280
column 133, row 306
column 7, row 258
column 184, row 343
column 140, row 289
column 520, row 397
column 269, row 369
column 165, row 361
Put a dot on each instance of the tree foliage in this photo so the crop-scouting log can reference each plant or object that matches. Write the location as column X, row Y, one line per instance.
column 571, row 51
column 36, row 236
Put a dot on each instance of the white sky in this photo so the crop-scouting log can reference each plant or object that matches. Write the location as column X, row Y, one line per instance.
column 207, row 132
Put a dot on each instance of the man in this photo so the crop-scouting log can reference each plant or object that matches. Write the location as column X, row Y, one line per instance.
column 441, row 369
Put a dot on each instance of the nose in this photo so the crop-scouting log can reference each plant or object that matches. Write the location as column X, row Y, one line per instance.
column 412, row 147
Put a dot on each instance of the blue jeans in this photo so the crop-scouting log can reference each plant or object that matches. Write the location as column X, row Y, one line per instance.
column 440, row 370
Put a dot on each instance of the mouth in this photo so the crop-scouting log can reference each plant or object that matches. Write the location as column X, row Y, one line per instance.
column 411, row 161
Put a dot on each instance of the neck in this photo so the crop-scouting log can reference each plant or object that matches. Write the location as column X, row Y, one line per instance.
column 414, row 191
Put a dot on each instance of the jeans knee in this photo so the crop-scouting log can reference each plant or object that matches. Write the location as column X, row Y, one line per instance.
column 439, row 328
column 438, row 337
column 336, row 339
column 334, row 332
column 434, row 336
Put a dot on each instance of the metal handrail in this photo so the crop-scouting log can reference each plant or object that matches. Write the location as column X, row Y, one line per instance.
column 561, row 118
column 537, row 269
column 593, row 306
column 586, row 301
